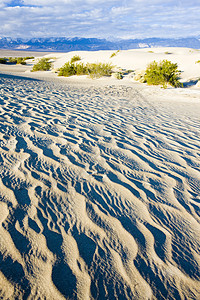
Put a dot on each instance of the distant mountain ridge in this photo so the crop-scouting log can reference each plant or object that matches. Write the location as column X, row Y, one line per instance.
column 64, row 44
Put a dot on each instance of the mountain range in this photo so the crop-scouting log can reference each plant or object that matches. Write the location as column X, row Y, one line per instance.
column 64, row 44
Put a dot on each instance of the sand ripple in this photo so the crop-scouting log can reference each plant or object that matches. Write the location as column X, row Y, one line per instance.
column 99, row 194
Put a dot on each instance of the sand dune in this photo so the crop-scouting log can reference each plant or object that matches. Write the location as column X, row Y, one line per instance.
column 99, row 191
column 136, row 60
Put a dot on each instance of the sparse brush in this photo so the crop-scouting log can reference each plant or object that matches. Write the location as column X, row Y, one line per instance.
column 3, row 60
column 12, row 60
column 81, row 69
column 67, row 70
column 94, row 70
column 162, row 73
column 42, row 65
column 75, row 58
column 21, row 60
column 17, row 60
column 97, row 70
column 70, row 69
column 114, row 53
column 29, row 57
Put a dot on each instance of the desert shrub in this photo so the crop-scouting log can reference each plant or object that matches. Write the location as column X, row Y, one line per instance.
column 198, row 61
column 12, row 60
column 21, row 60
column 67, row 70
column 114, row 53
column 42, row 65
column 162, row 73
column 70, row 69
column 75, row 58
column 81, row 69
column 3, row 60
column 17, row 60
column 96, row 70
column 29, row 57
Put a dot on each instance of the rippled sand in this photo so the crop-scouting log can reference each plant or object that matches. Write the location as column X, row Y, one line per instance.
column 99, row 192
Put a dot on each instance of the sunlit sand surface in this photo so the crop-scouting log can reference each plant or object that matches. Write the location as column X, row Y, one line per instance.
column 99, row 191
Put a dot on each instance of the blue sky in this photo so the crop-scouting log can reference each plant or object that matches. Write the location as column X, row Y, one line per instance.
column 100, row 18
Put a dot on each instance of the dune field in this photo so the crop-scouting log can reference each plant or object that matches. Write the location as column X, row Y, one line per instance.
column 99, row 188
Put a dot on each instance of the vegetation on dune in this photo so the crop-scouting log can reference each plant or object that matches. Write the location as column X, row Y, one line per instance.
column 29, row 57
column 94, row 70
column 97, row 70
column 198, row 62
column 114, row 53
column 42, row 65
column 67, row 70
column 12, row 60
column 19, row 60
column 75, row 58
column 3, row 60
column 162, row 73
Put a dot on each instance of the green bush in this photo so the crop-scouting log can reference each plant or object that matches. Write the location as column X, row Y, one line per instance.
column 12, row 60
column 162, row 73
column 81, row 69
column 42, row 65
column 94, row 70
column 67, row 70
column 70, row 69
column 17, row 60
column 21, row 60
column 75, row 58
column 3, row 60
column 29, row 57
column 197, row 62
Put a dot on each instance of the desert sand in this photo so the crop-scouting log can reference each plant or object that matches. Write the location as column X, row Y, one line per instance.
column 100, row 183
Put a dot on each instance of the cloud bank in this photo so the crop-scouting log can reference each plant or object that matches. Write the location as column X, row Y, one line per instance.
column 99, row 18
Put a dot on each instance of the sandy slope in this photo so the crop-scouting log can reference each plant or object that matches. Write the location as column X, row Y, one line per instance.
column 135, row 60
column 138, row 59
column 99, row 191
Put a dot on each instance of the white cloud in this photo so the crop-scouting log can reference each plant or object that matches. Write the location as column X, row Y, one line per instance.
column 99, row 18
